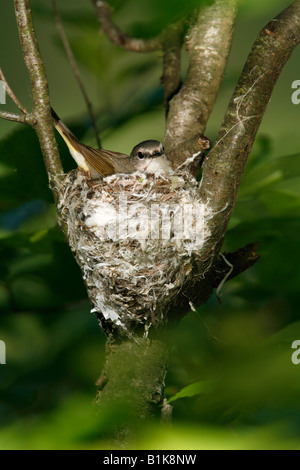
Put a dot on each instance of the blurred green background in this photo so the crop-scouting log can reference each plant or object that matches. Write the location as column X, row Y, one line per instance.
column 231, row 380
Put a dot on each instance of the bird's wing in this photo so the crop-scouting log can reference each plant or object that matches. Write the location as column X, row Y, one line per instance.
column 107, row 162
column 104, row 162
column 98, row 159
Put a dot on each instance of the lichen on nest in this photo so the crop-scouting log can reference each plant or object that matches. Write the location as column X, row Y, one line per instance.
column 137, row 239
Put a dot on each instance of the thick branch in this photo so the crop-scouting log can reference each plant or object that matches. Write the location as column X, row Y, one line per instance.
column 208, row 45
column 118, row 37
column 225, row 267
column 40, row 93
column 133, row 381
column 240, row 260
column 224, row 166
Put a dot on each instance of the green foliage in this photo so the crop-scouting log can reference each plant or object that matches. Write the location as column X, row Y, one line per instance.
column 150, row 18
column 189, row 391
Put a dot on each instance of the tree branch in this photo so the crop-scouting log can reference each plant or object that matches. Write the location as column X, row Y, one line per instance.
column 224, row 268
column 75, row 69
column 22, row 118
column 208, row 45
column 172, row 40
column 224, row 166
column 40, row 93
column 11, row 93
column 241, row 260
column 118, row 37
column 133, row 380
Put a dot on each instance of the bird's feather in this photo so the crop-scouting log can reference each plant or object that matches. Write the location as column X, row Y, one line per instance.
column 103, row 161
column 106, row 162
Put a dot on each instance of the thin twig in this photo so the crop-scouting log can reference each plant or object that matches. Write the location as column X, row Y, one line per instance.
column 118, row 37
column 22, row 118
column 40, row 93
column 75, row 68
column 172, row 39
column 11, row 93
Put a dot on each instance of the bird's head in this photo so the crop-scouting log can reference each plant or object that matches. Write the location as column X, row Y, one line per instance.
column 149, row 157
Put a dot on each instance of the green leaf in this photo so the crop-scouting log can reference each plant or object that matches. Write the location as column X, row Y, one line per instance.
column 266, row 175
column 190, row 391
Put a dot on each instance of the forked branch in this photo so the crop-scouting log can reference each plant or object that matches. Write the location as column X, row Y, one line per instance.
column 22, row 118
column 224, row 166
column 11, row 93
column 208, row 44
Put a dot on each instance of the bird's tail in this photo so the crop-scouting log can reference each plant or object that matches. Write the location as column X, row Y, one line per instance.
column 54, row 116
column 66, row 134
column 87, row 158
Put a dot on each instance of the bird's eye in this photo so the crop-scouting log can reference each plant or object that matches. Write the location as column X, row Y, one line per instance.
column 141, row 155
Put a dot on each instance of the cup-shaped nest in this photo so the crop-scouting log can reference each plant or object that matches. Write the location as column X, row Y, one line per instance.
column 137, row 239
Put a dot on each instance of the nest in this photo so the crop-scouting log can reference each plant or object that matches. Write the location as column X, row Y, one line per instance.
column 137, row 240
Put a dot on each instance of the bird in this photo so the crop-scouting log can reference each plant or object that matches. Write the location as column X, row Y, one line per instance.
column 146, row 157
